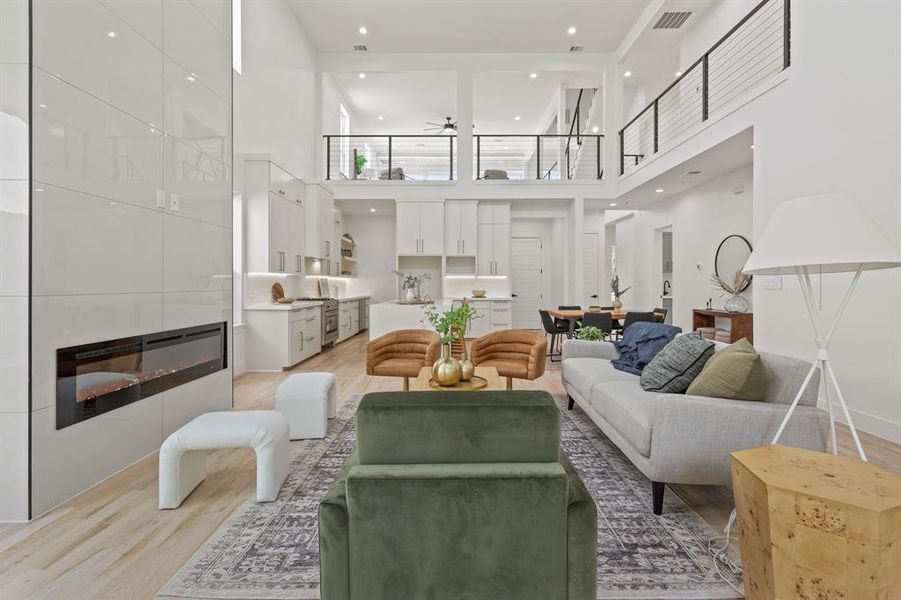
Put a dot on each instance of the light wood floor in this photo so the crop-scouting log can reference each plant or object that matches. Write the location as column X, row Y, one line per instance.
column 112, row 542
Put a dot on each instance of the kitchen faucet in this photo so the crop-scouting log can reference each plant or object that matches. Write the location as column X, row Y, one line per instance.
column 666, row 284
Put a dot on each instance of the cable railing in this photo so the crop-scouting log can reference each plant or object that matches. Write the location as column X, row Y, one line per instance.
column 756, row 48
column 391, row 157
column 552, row 157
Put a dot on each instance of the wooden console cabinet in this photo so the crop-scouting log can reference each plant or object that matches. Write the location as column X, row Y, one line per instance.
column 742, row 323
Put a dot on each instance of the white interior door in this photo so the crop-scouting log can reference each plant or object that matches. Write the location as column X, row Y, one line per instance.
column 591, row 261
column 527, row 281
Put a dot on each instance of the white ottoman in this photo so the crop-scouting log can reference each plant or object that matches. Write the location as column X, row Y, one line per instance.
column 183, row 454
column 307, row 400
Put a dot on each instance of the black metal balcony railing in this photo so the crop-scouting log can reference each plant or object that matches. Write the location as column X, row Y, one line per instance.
column 547, row 156
column 391, row 157
column 757, row 47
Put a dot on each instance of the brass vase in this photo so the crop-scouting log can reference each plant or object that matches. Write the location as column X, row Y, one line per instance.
column 467, row 369
column 446, row 371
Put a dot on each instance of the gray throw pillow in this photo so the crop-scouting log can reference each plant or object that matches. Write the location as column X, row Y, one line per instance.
column 677, row 364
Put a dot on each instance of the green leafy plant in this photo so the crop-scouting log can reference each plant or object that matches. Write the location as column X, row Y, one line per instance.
column 360, row 161
column 591, row 334
column 450, row 323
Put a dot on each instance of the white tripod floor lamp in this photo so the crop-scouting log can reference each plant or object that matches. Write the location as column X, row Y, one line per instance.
column 821, row 235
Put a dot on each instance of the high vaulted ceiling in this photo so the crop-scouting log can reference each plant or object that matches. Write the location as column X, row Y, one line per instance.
column 472, row 26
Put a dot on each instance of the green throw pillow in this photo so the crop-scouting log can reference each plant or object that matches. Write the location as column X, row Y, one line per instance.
column 736, row 372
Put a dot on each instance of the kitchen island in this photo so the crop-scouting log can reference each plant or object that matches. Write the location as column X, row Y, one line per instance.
column 493, row 314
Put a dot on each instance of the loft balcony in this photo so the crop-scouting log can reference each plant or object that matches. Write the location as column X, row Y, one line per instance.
column 743, row 60
column 433, row 158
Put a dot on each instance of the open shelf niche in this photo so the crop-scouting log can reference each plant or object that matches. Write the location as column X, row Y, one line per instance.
column 422, row 264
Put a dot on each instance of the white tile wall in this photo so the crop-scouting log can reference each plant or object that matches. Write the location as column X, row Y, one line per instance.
column 85, row 244
column 124, row 71
column 128, row 121
column 87, row 145
column 14, row 242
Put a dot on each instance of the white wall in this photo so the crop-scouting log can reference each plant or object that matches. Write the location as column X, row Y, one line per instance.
column 277, row 94
column 713, row 24
column 376, row 256
column 700, row 218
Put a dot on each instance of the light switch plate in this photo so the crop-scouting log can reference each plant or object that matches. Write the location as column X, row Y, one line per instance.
column 160, row 199
column 173, row 201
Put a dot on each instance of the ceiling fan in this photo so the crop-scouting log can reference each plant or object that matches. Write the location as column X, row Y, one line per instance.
column 449, row 126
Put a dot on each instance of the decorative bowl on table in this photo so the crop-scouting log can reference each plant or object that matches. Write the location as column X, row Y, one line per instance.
column 594, row 308
column 478, row 293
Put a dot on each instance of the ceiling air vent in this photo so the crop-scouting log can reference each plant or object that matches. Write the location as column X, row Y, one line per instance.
column 672, row 20
column 361, row 48
column 576, row 48
column 690, row 174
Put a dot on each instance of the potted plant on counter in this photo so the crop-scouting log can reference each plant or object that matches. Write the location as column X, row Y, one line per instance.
column 410, row 283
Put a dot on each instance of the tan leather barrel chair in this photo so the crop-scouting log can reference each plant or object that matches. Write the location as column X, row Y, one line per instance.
column 402, row 353
column 515, row 353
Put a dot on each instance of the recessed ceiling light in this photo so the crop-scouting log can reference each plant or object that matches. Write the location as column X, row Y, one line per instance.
column 361, row 75
column 516, row 118
column 506, row 147
column 371, row 210
column 381, row 118
column 678, row 73
column 659, row 190
column 533, row 75
column 595, row 129
column 571, row 30
column 363, row 30
column 39, row 189
column 627, row 74
column 752, row 146
column 111, row 34
column 612, row 204
column 42, row 106
column 191, row 77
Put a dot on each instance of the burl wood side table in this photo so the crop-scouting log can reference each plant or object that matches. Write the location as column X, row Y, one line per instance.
column 814, row 525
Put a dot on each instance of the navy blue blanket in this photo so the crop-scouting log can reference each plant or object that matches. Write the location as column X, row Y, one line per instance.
column 640, row 344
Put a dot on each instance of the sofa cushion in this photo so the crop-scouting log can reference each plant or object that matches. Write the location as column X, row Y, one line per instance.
column 735, row 373
column 640, row 343
column 677, row 365
column 584, row 373
column 629, row 409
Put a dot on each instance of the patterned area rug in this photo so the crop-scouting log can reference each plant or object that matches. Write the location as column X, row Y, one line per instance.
column 270, row 551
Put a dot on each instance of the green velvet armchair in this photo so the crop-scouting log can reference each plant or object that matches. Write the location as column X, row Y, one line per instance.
column 458, row 495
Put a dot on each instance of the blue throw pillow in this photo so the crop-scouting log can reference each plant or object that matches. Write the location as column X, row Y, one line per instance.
column 640, row 344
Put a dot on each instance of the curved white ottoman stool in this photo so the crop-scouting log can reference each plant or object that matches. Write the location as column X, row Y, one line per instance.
column 183, row 454
column 307, row 400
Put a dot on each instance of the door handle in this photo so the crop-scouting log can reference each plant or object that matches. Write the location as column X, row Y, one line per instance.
column 281, row 261
column 514, row 295
column 297, row 259
column 594, row 295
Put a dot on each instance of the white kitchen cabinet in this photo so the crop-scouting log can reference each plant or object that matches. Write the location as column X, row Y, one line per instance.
column 280, row 338
column 348, row 319
column 275, row 218
column 320, row 225
column 491, row 315
column 494, row 249
column 335, row 246
column 420, row 228
column 460, row 228
column 491, row 214
column 501, row 315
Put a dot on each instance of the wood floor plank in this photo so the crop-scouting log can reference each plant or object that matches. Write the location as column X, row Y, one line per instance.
column 112, row 542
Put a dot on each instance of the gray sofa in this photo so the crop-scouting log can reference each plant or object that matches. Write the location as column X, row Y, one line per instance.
column 676, row 438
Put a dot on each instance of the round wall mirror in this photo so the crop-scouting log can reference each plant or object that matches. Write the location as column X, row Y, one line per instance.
column 731, row 256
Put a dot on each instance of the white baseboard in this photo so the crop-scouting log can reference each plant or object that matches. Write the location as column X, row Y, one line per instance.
column 878, row 426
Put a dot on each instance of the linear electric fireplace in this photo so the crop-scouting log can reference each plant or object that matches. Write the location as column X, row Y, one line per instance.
column 92, row 379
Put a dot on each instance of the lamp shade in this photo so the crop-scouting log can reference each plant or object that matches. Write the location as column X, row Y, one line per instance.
column 829, row 233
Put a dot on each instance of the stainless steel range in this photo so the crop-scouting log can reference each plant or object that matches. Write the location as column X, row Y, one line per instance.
column 329, row 319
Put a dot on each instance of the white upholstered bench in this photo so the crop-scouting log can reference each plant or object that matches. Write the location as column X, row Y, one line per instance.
column 183, row 454
column 307, row 400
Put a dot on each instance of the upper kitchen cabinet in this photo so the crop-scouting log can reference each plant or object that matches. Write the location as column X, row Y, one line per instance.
column 461, row 228
column 420, row 228
column 494, row 240
column 275, row 219
column 320, row 228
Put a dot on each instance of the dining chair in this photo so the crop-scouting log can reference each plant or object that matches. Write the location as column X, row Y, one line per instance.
column 601, row 320
column 661, row 314
column 638, row 317
column 566, row 321
column 555, row 330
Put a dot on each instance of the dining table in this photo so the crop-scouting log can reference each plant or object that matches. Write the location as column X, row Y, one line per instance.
column 572, row 315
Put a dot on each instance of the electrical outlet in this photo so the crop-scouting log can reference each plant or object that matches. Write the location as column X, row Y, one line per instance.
column 173, row 201
column 160, row 199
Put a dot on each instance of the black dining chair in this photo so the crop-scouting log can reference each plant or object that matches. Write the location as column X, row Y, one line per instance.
column 601, row 320
column 660, row 314
column 638, row 317
column 555, row 330
column 566, row 321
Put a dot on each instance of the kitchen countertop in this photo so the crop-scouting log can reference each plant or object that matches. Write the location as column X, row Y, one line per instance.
column 351, row 298
column 297, row 305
